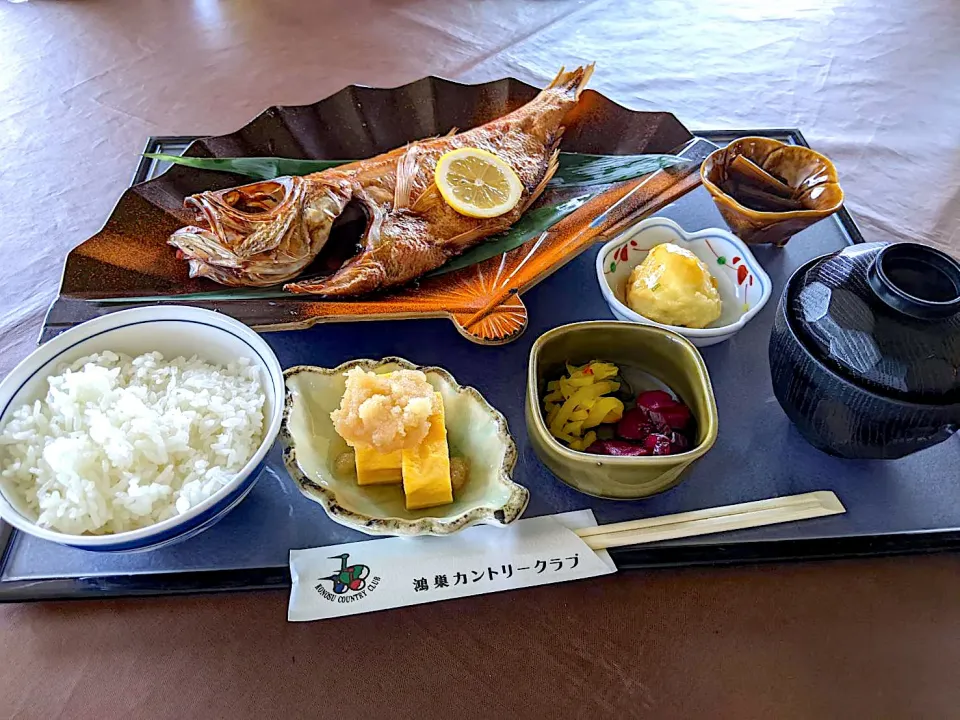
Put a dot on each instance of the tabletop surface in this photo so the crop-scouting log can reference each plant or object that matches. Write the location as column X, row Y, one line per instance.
column 84, row 82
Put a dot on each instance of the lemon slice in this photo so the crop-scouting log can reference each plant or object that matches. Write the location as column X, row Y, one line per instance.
column 477, row 183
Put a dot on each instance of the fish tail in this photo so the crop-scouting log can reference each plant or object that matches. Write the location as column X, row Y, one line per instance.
column 573, row 82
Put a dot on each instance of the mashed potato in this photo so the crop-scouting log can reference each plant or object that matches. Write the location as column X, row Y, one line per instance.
column 389, row 412
column 672, row 286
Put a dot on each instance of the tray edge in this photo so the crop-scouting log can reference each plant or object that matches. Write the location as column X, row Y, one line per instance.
column 912, row 542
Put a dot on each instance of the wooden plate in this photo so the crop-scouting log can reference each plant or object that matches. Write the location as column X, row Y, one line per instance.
column 129, row 263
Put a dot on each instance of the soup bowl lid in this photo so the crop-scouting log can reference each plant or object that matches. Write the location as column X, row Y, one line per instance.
column 885, row 317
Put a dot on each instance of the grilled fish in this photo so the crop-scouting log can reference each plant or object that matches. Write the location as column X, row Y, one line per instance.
column 268, row 232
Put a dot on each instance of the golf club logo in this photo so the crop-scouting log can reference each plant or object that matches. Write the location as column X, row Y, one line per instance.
column 349, row 583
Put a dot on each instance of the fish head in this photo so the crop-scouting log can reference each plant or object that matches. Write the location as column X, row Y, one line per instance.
column 262, row 233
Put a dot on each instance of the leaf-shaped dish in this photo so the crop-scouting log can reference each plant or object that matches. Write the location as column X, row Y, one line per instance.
column 475, row 430
column 129, row 263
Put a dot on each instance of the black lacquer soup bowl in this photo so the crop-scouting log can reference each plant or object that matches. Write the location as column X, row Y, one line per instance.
column 865, row 350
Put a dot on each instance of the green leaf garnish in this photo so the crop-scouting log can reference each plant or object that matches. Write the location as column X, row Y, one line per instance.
column 530, row 225
column 258, row 168
column 574, row 168
column 582, row 169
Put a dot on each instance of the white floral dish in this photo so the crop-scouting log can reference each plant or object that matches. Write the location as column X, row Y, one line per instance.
column 743, row 285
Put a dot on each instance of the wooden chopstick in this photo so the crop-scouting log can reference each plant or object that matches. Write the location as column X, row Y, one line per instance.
column 713, row 520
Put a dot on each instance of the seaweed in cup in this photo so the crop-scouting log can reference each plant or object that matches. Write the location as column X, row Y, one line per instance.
column 758, row 189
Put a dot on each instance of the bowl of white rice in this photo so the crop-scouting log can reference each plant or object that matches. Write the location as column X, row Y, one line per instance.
column 137, row 429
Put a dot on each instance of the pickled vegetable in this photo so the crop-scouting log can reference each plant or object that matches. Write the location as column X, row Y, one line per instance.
column 581, row 410
column 655, row 399
column 674, row 413
column 617, row 448
column 580, row 401
column 657, row 444
column 639, row 422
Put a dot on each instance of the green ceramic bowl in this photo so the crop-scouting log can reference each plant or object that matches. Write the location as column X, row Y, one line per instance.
column 650, row 358
column 474, row 428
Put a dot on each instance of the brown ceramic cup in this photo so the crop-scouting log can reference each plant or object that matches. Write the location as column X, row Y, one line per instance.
column 812, row 175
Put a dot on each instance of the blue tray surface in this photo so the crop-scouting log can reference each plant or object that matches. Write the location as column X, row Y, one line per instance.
column 758, row 453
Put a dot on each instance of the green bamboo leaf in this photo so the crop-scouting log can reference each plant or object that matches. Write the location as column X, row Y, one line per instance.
column 258, row 168
column 582, row 169
column 574, row 168
column 529, row 226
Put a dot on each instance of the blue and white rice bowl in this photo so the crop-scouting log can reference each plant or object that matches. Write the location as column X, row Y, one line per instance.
column 173, row 331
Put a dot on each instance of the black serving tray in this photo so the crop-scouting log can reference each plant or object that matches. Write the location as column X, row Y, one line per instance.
column 909, row 505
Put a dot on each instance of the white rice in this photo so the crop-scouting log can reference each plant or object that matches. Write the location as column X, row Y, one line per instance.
column 119, row 444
